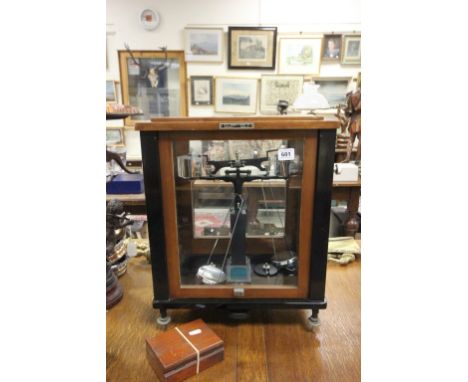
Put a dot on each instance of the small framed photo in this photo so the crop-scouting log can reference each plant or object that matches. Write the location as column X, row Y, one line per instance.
column 300, row 55
column 115, row 136
column 334, row 89
column 351, row 49
column 201, row 90
column 111, row 91
column 331, row 50
column 236, row 95
column 277, row 87
column 204, row 44
column 252, row 47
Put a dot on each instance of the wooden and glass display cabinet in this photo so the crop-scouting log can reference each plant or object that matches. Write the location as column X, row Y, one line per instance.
column 238, row 211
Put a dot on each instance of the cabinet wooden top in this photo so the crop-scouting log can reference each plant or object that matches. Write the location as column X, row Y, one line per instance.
column 280, row 122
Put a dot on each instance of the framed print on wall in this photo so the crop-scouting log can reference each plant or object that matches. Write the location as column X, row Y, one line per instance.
column 236, row 95
column 351, row 49
column 252, row 47
column 300, row 55
column 155, row 82
column 334, row 89
column 276, row 87
column 111, row 91
column 331, row 50
column 204, row 44
column 115, row 136
column 201, row 90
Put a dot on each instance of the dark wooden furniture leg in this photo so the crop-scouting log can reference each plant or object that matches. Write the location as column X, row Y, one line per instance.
column 352, row 225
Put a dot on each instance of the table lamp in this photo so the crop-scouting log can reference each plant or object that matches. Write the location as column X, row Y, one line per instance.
column 310, row 99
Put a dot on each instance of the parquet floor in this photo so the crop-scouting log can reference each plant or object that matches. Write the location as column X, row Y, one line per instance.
column 272, row 345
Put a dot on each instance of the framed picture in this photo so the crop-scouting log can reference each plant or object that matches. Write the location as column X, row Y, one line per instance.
column 201, row 90
column 155, row 82
column 236, row 95
column 252, row 47
column 204, row 45
column 276, row 87
column 351, row 49
column 331, row 50
column 334, row 89
column 111, row 91
column 300, row 55
column 115, row 136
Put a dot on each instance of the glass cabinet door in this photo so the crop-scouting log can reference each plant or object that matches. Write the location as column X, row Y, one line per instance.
column 238, row 214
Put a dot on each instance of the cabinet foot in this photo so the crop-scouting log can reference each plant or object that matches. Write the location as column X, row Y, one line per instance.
column 164, row 319
column 313, row 321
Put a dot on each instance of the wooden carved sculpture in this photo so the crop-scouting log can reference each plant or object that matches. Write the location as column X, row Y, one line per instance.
column 342, row 138
column 353, row 112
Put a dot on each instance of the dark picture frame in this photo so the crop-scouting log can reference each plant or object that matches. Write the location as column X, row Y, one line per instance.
column 200, row 93
column 252, row 47
column 332, row 53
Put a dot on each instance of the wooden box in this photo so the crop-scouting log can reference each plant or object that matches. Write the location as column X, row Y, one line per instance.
column 173, row 356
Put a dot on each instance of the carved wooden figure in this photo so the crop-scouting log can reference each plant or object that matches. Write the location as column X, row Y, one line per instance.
column 353, row 111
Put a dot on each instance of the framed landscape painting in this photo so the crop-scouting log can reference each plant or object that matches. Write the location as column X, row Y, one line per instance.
column 236, row 95
column 277, row 87
column 351, row 49
column 334, row 89
column 252, row 47
column 204, row 44
column 300, row 55
column 201, row 90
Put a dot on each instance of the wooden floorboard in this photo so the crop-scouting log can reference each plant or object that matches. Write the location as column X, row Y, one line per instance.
column 272, row 345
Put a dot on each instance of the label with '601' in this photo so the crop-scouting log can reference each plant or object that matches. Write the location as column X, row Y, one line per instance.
column 286, row 154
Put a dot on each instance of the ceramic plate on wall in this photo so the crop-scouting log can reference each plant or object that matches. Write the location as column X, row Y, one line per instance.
column 149, row 19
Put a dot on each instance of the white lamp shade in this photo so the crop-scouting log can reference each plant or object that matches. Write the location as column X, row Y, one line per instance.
column 310, row 99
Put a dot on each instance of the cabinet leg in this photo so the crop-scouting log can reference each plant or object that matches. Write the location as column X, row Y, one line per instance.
column 164, row 319
column 313, row 320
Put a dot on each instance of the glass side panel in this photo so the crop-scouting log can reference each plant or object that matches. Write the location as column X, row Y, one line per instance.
column 238, row 211
column 154, row 87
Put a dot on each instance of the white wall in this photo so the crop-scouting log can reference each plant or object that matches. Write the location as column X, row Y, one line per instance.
column 290, row 16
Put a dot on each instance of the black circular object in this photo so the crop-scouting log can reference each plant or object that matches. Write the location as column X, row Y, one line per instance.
column 266, row 270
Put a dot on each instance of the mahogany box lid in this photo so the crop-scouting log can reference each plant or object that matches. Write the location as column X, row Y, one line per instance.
column 172, row 350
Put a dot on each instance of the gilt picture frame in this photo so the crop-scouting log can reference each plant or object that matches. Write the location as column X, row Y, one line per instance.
column 236, row 95
column 204, row 44
column 300, row 55
column 278, row 87
column 252, row 48
column 351, row 49
column 201, row 90
column 155, row 82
